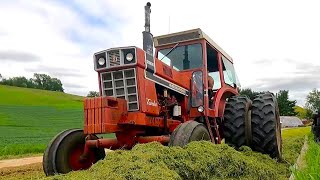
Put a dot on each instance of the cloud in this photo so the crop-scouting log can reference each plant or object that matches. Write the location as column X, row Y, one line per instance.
column 17, row 56
column 268, row 48
column 56, row 71
column 299, row 81
column 73, row 86
column 304, row 76
column 293, row 83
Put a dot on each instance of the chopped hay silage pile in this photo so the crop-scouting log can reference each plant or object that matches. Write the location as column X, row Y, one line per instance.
column 198, row 160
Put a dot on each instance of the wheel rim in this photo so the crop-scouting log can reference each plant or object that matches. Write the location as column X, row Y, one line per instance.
column 76, row 163
column 278, row 134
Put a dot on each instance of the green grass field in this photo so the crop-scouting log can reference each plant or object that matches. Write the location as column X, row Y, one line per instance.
column 292, row 141
column 311, row 170
column 29, row 118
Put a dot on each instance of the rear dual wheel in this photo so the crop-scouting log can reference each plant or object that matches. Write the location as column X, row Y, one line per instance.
column 62, row 155
column 266, row 128
column 257, row 126
column 237, row 121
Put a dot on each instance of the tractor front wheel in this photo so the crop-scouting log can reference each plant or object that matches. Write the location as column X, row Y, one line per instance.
column 187, row 132
column 64, row 151
column 266, row 128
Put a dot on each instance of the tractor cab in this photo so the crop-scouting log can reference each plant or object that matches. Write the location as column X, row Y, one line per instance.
column 193, row 51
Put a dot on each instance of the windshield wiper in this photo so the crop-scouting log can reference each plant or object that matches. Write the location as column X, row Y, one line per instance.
column 175, row 46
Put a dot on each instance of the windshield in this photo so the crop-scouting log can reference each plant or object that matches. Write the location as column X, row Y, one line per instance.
column 230, row 76
column 182, row 57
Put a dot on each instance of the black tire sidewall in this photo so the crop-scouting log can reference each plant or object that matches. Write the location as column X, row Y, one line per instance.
column 68, row 144
column 48, row 161
column 266, row 140
column 200, row 133
column 237, row 121
column 187, row 132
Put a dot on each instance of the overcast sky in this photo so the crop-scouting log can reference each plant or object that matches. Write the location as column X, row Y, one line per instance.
column 275, row 44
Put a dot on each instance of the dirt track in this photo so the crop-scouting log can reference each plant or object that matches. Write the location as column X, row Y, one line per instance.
column 30, row 171
column 23, row 168
column 20, row 162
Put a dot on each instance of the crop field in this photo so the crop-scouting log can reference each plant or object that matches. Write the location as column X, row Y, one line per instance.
column 29, row 118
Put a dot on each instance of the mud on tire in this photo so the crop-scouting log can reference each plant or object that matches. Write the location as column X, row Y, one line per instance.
column 266, row 128
column 237, row 121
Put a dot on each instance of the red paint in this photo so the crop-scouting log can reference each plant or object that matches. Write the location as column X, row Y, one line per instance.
column 76, row 163
column 110, row 115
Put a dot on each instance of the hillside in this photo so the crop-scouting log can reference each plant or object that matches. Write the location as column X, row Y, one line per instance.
column 29, row 118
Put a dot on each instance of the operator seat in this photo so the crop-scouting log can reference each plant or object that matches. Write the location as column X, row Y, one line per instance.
column 211, row 93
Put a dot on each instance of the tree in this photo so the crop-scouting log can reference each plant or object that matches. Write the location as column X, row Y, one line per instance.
column 286, row 107
column 309, row 114
column 93, row 94
column 249, row 92
column 44, row 81
column 313, row 100
column 303, row 113
column 40, row 81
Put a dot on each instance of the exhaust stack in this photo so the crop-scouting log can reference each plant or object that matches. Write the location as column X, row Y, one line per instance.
column 147, row 36
column 147, row 12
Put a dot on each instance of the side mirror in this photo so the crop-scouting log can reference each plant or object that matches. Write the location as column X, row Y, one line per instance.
column 197, row 93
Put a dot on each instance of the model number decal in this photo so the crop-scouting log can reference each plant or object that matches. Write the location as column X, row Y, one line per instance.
column 151, row 102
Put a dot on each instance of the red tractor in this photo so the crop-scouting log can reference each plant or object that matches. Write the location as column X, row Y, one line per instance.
column 165, row 97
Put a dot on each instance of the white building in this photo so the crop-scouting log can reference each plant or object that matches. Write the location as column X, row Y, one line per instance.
column 290, row 121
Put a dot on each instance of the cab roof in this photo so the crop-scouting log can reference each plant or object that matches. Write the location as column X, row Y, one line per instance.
column 183, row 36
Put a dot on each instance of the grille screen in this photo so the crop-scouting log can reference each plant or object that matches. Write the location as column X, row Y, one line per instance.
column 114, row 57
column 178, row 38
column 121, row 84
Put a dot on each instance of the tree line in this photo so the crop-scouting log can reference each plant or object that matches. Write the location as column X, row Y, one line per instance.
column 39, row 81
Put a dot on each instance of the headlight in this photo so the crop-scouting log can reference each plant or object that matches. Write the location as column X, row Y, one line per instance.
column 129, row 57
column 101, row 61
column 200, row 109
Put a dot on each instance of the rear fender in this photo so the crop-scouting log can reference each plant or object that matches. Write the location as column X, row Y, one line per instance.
column 220, row 99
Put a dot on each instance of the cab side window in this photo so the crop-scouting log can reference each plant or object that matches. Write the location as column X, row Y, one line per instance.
column 213, row 68
column 229, row 74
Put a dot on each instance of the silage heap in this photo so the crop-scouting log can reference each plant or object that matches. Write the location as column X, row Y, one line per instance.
column 198, row 160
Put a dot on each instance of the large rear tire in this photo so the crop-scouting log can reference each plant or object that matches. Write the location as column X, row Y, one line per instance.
column 237, row 121
column 266, row 128
column 187, row 132
column 62, row 155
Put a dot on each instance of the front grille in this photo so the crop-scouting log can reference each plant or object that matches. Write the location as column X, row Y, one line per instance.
column 121, row 84
column 114, row 57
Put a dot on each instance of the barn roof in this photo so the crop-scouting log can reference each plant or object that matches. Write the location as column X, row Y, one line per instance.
column 290, row 121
